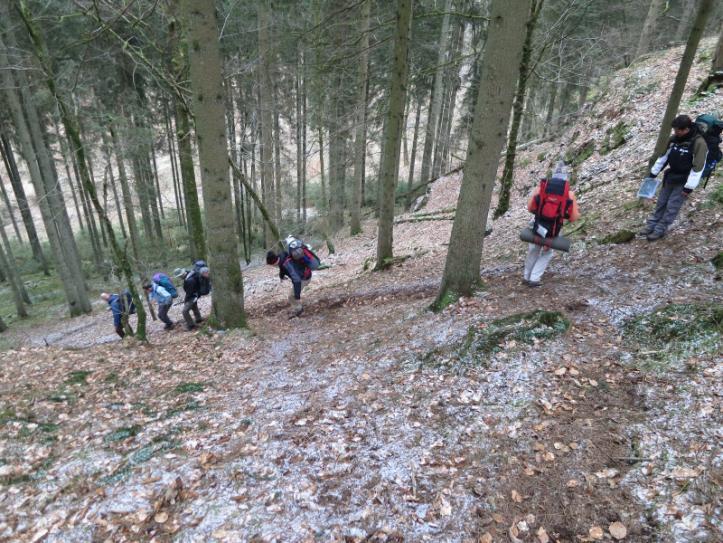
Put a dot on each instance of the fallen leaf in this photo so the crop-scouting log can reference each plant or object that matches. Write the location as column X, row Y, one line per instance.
column 548, row 456
column 513, row 532
column 684, row 473
column 516, row 496
column 561, row 371
column 542, row 535
column 161, row 517
column 445, row 509
column 485, row 538
column 618, row 530
column 596, row 533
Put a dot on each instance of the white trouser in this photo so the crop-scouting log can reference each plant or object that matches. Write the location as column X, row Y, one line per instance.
column 537, row 259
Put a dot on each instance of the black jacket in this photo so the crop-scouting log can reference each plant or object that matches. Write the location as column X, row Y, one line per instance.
column 296, row 270
column 195, row 286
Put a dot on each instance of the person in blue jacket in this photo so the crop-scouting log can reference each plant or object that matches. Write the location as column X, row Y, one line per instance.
column 117, row 307
column 296, row 269
column 163, row 298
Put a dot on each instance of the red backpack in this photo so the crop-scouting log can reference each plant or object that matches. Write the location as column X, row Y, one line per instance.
column 553, row 205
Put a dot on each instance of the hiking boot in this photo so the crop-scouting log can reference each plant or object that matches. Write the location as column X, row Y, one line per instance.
column 525, row 282
column 654, row 236
column 190, row 327
column 645, row 231
column 169, row 326
column 199, row 321
column 533, row 284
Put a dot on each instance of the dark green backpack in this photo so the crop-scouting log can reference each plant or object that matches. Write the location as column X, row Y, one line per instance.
column 710, row 128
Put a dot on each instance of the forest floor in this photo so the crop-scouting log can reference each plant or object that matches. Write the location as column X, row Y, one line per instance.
column 372, row 419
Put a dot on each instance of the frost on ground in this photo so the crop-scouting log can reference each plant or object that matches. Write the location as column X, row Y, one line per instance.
column 372, row 419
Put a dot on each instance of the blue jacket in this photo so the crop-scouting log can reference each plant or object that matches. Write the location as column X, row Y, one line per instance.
column 117, row 308
column 296, row 270
column 160, row 295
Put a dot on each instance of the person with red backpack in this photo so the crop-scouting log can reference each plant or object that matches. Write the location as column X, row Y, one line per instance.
column 552, row 203
column 296, row 263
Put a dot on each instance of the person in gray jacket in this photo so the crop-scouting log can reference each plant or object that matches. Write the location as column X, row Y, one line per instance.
column 685, row 158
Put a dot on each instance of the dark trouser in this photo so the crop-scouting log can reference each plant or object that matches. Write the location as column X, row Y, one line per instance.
column 119, row 330
column 163, row 313
column 187, row 308
column 670, row 200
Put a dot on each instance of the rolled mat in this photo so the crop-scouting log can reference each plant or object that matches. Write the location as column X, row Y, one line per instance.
column 560, row 243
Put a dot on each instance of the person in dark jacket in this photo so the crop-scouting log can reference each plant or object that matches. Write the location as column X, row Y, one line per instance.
column 195, row 285
column 117, row 308
column 156, row 293
column 298, row 270
column 685, row 158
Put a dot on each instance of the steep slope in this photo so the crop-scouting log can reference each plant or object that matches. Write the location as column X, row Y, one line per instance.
column 371, row 419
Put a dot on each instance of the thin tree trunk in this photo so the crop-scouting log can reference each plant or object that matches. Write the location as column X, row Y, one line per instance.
column 9, row 269
column 297, row 95
column 69, row 176
column 390, row 167
column 10, row 165
column 265, row 89
column 413, row 157
column 11, row 214
column 174, row 167
column 158, row 183
column 435, row 104
column 303, row 141
column 704, row 9
column 208, row 105
column 109, row 166
column 324, row 200
column 125, row 191
column 649, row 27
column 360, row 144
column 278, row 177
column 550, row 108
column 503, row 203
column 505, row 39
column 681, row 32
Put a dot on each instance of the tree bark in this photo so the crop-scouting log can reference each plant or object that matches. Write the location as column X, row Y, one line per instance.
column 7, row 266
column 503, row 203
column 208, row 104
column 10, row 165
column 125, row 191
column 646, row 35
column 390, row 167
column 413, row 157
column 500, row 65
column 174, row 167
column 56, row 221
column 681, row 32
column 704, row 9
column 265, row 89
column 360, row 144
column 435, row 104
column 11, row 214
column 109, row 167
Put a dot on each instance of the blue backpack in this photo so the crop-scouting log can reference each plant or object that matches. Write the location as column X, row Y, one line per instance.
column 164, row 281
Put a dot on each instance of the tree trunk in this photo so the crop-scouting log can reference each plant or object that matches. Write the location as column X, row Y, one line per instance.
column 69, row 176
column 125, row 191
column 278, row 177
column 299, row 152
column 70, row 123
column 681, row 32
column 503, row 203
column 196, row 237
column 704, row 9
column 360, row 144
column 7, row 266
column 57, row 226
column 550, row 108
column 435, row 104
column 10, row 165
column 174, row 167
column 11, row 214
column 649, row 27
column 158, row 183
column 109, row 166
column 500, row 65
column 208, row 104
column 324, row 199
column 265, row 89
column 390, row 167
column 413, row 157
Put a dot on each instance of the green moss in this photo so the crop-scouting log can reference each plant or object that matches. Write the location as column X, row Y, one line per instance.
column 189, row 387
column 524, row 328
column 615, row 137
column 77, row 377
column 717, row 260
column 541, row 157
column 669, row 335
column 580, row 154
column 448, row 298
column 623, row 236
column 122, row 433
column 716, row 196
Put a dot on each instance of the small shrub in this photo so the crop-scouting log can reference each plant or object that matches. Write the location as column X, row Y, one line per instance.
column 78, row 377
column 189, row 387
column 614, row 137
column 717, row 260
column 122, row 433
column 623, row 236
column 580, row 154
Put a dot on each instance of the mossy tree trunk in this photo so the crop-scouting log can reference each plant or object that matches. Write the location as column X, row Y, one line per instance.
column 503, row 203
column 487, row 136
column 392, row 140
column 267, row 118
column 655, row 8
column 125, row 190
column 208, row 106
column 704, row 9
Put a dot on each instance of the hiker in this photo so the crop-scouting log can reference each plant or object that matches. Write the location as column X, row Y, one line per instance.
column 196, row 283
column 118, row 306
column 552, row 202
column 157, row 293
column 685, row 158
column 296, row 263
